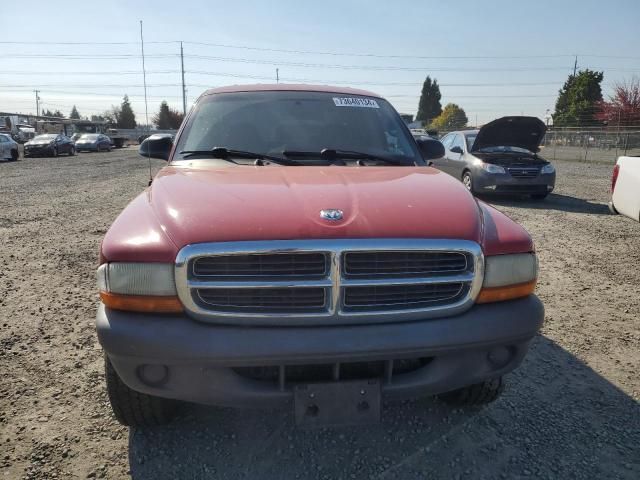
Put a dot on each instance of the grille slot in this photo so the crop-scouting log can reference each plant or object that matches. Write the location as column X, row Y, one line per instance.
column 405, row 264
column 274, row 300
column 261, row 265
column 531, row 172
column 288, row 375
column 394, row 297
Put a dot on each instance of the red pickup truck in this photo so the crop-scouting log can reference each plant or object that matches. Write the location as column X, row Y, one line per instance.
column 298, row 249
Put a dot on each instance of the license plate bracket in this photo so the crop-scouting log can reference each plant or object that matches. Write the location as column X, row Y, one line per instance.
column 338, row 403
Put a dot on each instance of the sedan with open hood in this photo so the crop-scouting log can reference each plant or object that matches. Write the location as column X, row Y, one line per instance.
column 501, row 157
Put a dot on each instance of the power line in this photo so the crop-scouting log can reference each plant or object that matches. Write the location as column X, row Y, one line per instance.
column 383, row 67
column 113, row 56
column 64, row 92
column 79, row 43
column 325, row 52
column 94, row 72
column 92, row 85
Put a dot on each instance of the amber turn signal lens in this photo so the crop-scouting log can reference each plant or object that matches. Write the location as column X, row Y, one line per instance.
column 141, row 303
column 508, row 292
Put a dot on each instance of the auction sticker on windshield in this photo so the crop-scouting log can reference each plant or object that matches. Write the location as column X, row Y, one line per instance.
column 355, row 102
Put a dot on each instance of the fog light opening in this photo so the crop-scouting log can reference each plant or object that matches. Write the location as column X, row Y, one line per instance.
column 153, row 375
column 312, row 410
column 500, row 356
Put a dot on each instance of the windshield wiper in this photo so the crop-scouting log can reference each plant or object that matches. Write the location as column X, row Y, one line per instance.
column 226, row 154
column 331, row 154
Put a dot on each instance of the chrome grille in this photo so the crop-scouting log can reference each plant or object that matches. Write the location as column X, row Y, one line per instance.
column 261, row 265
column 324, row 282
column 530, row 172
column 403, row 263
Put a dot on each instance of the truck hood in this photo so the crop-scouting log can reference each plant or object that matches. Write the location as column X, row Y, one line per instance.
column 521, row 132
column 194, row 205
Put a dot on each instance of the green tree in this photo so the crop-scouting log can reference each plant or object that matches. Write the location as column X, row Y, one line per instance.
column 74, row 113
column 429, row 106
column 49, row 113
column 452, row 118
column 167, row 118
column 579, row 100
column 126, row 118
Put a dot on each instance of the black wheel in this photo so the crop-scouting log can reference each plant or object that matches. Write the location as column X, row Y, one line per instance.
column 539, row 196
column 55, row 152
column 72, row 151
column 15, row 155
column 477, row 394
column 133, row 408
column 467, row 181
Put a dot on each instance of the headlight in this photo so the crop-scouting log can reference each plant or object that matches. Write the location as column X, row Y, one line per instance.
column 139, row 287
column 548, row 168
column 491, row 168
column 508, row 276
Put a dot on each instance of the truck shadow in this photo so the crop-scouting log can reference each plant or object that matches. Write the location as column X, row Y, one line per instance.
column 557, row 419
column 554, row 201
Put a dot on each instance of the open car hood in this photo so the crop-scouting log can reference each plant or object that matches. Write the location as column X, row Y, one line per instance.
column 521, row 132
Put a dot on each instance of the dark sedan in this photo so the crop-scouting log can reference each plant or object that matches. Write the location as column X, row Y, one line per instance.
column 49, row 145
column 94, row 142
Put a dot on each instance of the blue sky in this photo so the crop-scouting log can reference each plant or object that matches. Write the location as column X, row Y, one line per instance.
column 521, row 52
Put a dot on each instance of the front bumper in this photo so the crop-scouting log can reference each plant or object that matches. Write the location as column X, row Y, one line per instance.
column 505, row 183
column 87, row 146
column 177, row 357
column 38, row 151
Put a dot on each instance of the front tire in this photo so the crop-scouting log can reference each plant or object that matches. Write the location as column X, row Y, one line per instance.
column 55, row 152
column 135, row 409
column 15, row 155
column 72, row 151
column 477, row 394
column 467, row 181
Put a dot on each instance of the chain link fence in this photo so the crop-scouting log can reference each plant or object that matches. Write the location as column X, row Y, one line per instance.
column 603, row 145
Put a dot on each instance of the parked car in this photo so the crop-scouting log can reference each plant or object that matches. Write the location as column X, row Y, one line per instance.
column 8, row 148
column 500, row 158
column 49, row 145
column 297, row 250
column 625, row 185
column 93, row 142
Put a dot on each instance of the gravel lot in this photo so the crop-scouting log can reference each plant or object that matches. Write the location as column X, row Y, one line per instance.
column 571, row 410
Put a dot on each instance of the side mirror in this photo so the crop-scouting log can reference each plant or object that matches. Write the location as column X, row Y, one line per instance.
column 156, row 147
column 430, row 148
column 457, row 149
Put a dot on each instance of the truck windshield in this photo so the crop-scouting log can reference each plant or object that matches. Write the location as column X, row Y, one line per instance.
column 273, row 122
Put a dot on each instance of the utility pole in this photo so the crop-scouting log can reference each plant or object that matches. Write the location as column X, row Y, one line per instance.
column 37, row 92
column 575, row 66
column 184, row 91
column 144, row 79
column 146, row 108
column 277, row 75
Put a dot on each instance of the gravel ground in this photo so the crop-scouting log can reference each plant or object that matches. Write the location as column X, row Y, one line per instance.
column 570, row 411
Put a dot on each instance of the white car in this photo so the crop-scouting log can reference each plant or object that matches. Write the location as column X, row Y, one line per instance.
column 8, row 148
column 625, row 187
